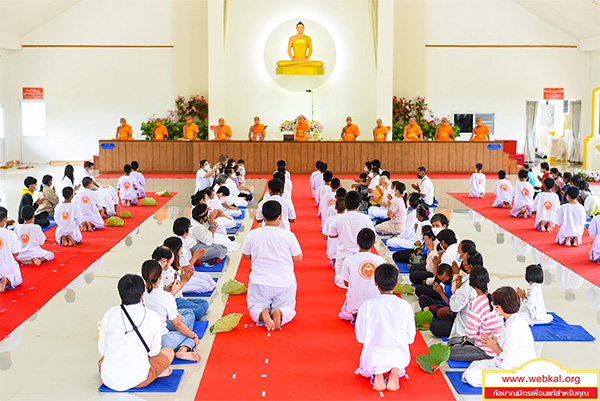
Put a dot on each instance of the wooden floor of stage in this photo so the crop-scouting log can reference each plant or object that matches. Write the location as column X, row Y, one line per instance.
column 182, row 157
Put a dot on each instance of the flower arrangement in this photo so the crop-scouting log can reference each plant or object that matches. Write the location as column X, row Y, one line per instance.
column 195, row 107
column 315, row 128
column 592, row 176
column 403, row 109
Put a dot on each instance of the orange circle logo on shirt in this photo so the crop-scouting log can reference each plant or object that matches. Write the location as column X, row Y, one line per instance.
column 24, row 238
column 504, row 187
column 65, row 215
column 525, row 192
column 85, row 199
column 367, row 270
column 331, row 202
column 547, row 205
column 479, row 182
column 126, row 185
column 1, row 243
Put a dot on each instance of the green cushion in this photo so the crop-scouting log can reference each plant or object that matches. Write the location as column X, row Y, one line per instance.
column 234, row 287
column 148, row 202
column 163, row 193
column 114, row 222
column 125, row 214
column 226, row 323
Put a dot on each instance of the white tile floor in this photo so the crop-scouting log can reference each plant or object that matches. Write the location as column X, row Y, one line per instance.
column 53, row 355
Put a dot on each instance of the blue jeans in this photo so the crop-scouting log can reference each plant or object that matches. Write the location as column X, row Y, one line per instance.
column 174, row 339
column 197, row 305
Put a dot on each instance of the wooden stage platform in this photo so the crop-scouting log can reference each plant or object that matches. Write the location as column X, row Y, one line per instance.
column 160, row 157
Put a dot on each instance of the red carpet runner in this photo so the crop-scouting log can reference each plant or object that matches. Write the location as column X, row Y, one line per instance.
column 40, row 283
column 314, row 356
column 576, row 259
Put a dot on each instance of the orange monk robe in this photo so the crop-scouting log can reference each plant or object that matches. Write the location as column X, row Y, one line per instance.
column 380, row 133
column 301, row 130
column 413, row 133
column 482, row 133
column 161, row 133
column 445, row 133
column 125, row 132
column 190, row 131
column 258, row 130
column 351, row 132
column 224, row 132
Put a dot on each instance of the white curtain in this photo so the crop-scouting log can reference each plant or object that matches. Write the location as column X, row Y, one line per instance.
column 531, row 116
column 575, row 154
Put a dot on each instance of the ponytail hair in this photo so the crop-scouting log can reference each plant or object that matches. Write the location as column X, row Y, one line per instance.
column 400, row 187
column 200, row 212
column 151, row 273
column 479, row 279
column 422, row 210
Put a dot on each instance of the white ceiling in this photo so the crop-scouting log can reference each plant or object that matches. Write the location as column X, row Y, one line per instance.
column 18, row 17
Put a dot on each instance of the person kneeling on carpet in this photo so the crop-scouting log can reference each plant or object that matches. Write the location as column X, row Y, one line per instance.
column 130, row 341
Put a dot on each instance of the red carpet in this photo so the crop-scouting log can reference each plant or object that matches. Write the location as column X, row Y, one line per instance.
column 40, row 283
column 315, row 355
column 576, row 259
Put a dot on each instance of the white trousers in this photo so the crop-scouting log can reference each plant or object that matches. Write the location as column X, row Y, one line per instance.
column 474, row 373
column 261, row 296
column 377, row 212
column 338, row 278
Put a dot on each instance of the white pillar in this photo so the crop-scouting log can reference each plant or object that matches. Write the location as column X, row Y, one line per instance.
column 216, row 61
column 385, row 61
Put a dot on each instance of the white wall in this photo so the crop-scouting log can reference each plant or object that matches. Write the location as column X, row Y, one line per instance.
column 5, row 143
column 593, row 152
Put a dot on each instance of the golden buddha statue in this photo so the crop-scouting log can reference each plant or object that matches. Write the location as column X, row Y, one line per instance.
column 300, row 50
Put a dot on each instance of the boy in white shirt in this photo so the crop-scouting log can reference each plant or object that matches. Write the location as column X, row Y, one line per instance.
column 572, row 218
column 228, row 210
column 358, row 273
column 545, row 206
column 139, row 179
column 31, row 237
column 110, row 199
column 477, row 182
column 68, row 218
column 328, row 199
column 288, row 213
column 287, row 181
column 385, row 325
column 10, row 274
column 523, row 196
column 91, row 207
column 318, row 181
column 315, row 174
column 324, row 189
column 272, row 286
column 340, row 208
column 346, row 227
column 127, row 186
column 340, row 193
column 242, row 169
column 503, row 190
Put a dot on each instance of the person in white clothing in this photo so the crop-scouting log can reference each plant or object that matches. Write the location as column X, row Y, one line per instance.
column 139, row 178
column 533, row 308
column 374, row 182
column 314, row 175
column 425, row 188
column 10, row 274
column 594, row 231
column 272, row 285
column 206, row 174
column 110, row 199
column 396, row 211
column 340, row 193
column 324, row 189
column 522, row 196
column 328, row 200
column 91, row 207
column 358, row 273
column 545, row 206
column 513, row 348
column 340, row 208
column 572, row 218
column 127, row 186
column 385, row 325
column 503, row 190
column 31, row 237
column 86, row 172
column 288, row 213
column 68, row 218
column 68, row 180
column 346, row 227
column 132, row 356
column 477, row 182
column 381, row 201
column 202, row 233
column 406, row 239
column 318, row 181
column 287, row 181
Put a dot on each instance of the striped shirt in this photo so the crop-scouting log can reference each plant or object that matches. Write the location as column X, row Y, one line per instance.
column 482, row 320
column 398, row 207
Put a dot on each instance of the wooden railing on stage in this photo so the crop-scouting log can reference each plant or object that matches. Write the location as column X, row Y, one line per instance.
column 160, row 157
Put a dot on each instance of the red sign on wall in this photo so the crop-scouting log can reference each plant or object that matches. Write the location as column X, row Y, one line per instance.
column 554, row 93
column 33, row 93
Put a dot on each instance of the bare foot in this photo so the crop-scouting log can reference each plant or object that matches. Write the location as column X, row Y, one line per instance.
column 266, row 317
column 3, row 284
column 425, row 309
column 378, row 383
column 277, row 316
column 568, row 241
column 166, row 372
column 26, row 262
column 542, row 226
column 70, row 241
column 36, row 261
column 188, row 356
column 575, row 241
column 393, row 383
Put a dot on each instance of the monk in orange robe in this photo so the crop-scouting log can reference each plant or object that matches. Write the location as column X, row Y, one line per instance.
column 481, row 132
column 301, row 129
column 380, row 132
column 413, row 132
column 350, row 131
column 190, row 130
column 223, row 132
column 160, row 132
column 444, row 131
column 124, row 131
column 257, row 131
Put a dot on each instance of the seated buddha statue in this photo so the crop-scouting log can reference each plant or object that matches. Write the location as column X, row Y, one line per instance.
column 300, row 49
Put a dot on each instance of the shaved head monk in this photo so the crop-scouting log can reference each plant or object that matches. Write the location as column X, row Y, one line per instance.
column 301, row 129
column 350, row 131
column 379, row 132
column 160, row 132
column 190, row 130
column 124, row 131
column 412, row 131
column 222, row 131
column 481, row 132
column 257, row 131
column 444, row 131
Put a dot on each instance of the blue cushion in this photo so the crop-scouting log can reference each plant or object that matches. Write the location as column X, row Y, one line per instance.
column 460, row 387
column 167, row 384
column 201, row 294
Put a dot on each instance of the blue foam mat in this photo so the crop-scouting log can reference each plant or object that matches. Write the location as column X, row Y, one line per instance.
column 200, row 327
column 402, row 267
column 559, row 330
column 458, row 364
column 167, row 384
column 240, row 217
column 460, row 387
column 216, row 268
column 445, row 339
column 201, row 294
column 233, row 230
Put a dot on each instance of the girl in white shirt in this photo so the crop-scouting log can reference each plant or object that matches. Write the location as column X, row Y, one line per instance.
column 533, row 308
column 203, row 227
column 68, row 180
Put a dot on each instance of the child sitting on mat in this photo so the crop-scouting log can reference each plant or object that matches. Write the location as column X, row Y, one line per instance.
column 477, row 182
column 523, row 196
column 91, row 206
column 140, row 181
column 318, row 181
column 10, row 274
column 358, row 272
column 503, row 190
column 385, row 325
column 533, row 308
column 127, row 186
column 442, row 286
column 340, row 207
column 340, row 193
column 109, row 199
column 31, row 237
column 314, row 175
column 324, row 189
column 272, row 285
column 594, row 231
column 68, row 218
column 572, row 218
column 406, row 239
column 328, row 199
column 546, row 206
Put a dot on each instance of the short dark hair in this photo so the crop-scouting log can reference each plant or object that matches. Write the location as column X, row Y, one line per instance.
column 414, row 199
column 87, row 164
column 534, row 274
column 423, row 169
column 386, row 277
column 335, row 183
column 545, row 166
column 340, row 193
column 67, row 192
column 276, row 186
column 327, row 176
column 271, row 210
column 368, row 165
column 228, row 171
column 224, row 190
column 573, row 192
column 318, row 164
column 575, row 179
column 281, row 169
column 135, row 165
column 479, row 166
column 386, row 173
column 202, row 162
column 281, row 163
column 200, row 211
column 181, row 225
column 323, row 167
column 27, row 212
column 467, row 245
column 279, row 176
column 127, row 168
column 549, row 183
column 375, row 169
column 366, row 238
column 86, row 181
column 29, row 181
column 583, row 185
column 523, row 173
column 353, row 199
column 162, row 252
column 131, row 288
column 441, row 218
column 3, row 213
column 556, row 171
column 241, row 161
column 340, row 205
column 526, row 166
column 502, row 174
column 444, row 269
column 508, row 299
column 447, row 236
column 474, row 258
column 376, row 163
column 362, row 176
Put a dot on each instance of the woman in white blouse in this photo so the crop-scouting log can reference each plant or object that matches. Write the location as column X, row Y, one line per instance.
column 202, row 233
